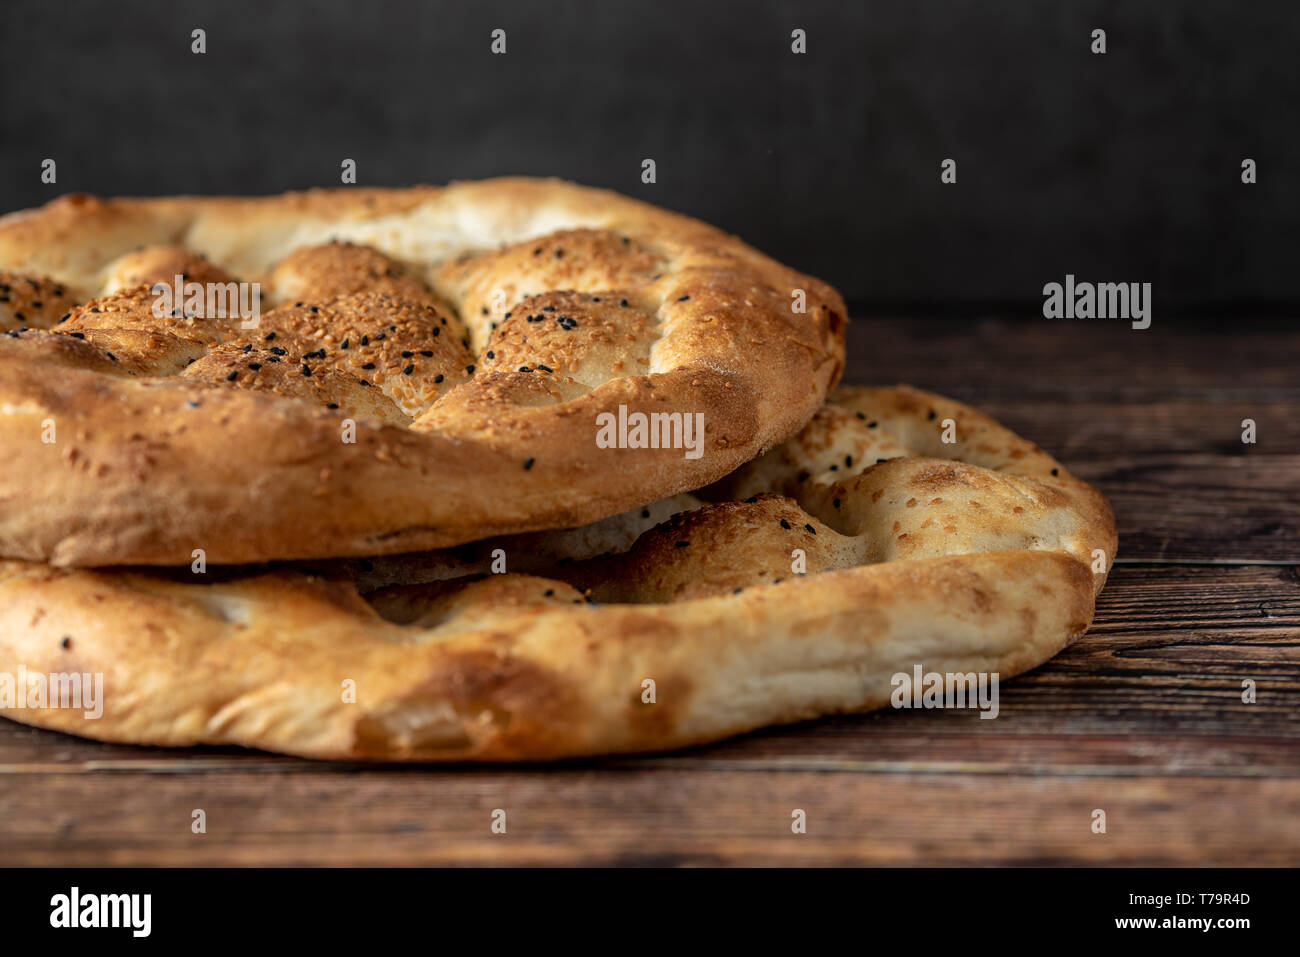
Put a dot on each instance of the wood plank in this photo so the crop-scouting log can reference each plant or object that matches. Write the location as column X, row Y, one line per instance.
column 986, row 359
column 1141, row 718
column 650, row 816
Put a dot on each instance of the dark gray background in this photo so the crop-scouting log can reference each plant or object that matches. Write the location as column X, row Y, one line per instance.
column 1122, row 167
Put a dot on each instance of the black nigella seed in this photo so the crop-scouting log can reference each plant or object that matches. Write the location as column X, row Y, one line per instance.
column 862, row 417
column 437, row 330
column 345, row 344
column 365, row 382
column 542, row 368
column 645, row 513
column 407, row 353
column 752, row 499
column 314, row 309
column 255, row 366
column 848, row 461
column 381, row 337
column 94, row 308
column 529, row 464
column 559, row 253
column 426, row 352
column 872, row 425
column 368, row 365
column 682, row 298
column 622, row 302
column 525, row 369
column 332, row 405
column 77, row 335
column 804, row 476
column 1056, row 471
column 248, row 348
column 272, row 358
column 835, row 503
column 491, row 354
column 297, row 305
column 785, row 524
column 232, row 377
column 878, row 461
column 437, row 378
column 278, row 351
column 835, row 468
column 305, row 370
column 409, row 369
column 365, row 340
column 484, row 310
column 469, row 369
column 548, row 308
column 683, row 544
column 268, row 337
column 931, row 415
column 810, row 528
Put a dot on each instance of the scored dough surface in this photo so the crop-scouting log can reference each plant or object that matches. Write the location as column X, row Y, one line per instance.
column 468, row 336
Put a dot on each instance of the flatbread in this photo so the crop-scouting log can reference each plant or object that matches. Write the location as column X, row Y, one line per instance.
column 436, row 366
column 798, row 587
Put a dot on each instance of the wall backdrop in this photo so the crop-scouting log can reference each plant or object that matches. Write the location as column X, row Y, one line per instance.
column 1117, row 167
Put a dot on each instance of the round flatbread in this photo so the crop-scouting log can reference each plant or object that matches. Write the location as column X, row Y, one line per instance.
column 433, row 366
column 898, row 529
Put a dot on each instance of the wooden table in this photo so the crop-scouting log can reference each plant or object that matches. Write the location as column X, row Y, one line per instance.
column 1143, row 718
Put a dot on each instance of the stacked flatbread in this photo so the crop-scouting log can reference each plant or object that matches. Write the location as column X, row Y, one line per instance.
column 509, row 470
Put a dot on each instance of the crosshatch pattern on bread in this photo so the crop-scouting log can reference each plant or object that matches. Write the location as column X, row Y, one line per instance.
column 975, row 555
column 469, row 335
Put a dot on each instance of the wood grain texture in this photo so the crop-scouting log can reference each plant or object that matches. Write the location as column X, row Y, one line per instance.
column 1142, row 718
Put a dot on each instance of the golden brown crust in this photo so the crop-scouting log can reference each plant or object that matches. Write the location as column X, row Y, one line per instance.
column 428, row 661
column 709, row 327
